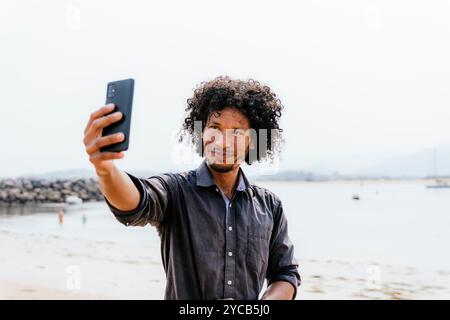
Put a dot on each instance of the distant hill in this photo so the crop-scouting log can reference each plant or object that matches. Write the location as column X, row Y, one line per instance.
column 63, row 174
column 416, row 165
column 79, row 173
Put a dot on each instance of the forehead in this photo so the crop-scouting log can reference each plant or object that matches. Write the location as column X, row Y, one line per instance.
column 229, row 117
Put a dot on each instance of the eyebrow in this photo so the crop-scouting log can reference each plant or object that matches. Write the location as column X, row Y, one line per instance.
column 213, row 123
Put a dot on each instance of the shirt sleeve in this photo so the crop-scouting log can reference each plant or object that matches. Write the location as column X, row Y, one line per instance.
column 153, row 205
column 282, row 264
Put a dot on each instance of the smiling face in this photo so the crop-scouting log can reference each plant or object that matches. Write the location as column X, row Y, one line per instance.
column 226, row 139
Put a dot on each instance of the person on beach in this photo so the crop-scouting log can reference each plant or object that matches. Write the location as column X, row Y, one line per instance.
column 61, row 214
column 221, row 235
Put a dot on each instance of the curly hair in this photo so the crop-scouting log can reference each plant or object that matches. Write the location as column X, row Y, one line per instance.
column 255, row 100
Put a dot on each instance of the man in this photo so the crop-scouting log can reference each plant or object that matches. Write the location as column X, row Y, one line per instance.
column 221, row 235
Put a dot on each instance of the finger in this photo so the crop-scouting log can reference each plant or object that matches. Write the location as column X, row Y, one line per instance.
column 104, row 141
column 105, row 121
column 98, row 124
column 98, row 113
column 103, row 156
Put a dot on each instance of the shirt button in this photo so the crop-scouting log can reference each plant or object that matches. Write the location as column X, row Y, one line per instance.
column 230, row 253
column 230, row 228
column 229, row 282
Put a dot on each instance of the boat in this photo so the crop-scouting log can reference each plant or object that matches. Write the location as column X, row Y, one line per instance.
column 73, row 200
column 439, row 183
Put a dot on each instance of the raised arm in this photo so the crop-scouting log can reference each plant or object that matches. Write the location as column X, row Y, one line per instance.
column 134, row 201
column 114, row 184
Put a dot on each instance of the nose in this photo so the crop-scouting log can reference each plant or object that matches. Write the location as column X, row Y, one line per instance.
column 227, row 141
column 222, row 141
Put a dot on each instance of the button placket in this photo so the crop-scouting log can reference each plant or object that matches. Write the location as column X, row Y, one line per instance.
column 230, row 263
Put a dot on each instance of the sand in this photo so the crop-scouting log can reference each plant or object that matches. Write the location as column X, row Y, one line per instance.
column 38, row 266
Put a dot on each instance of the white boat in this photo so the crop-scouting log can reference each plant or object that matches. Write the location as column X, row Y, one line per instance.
column 439, row 184
column 72, row 200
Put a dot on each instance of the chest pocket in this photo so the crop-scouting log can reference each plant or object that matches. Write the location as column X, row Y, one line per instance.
column 258, row 242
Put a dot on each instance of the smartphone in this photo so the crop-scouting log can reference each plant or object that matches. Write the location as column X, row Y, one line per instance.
column 121, row 94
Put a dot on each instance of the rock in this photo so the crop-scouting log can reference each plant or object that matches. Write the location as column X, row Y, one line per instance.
column 55, row 196
column 25, row 190
column 27, row 185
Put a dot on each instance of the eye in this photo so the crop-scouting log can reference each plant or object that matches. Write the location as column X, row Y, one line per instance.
column 211, row 131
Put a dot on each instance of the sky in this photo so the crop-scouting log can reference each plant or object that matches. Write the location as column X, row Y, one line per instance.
column 361, row 81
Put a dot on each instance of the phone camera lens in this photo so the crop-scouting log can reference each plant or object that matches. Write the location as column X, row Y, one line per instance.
column 111, row 91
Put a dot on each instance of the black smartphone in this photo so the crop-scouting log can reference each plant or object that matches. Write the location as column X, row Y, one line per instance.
column 121, row 94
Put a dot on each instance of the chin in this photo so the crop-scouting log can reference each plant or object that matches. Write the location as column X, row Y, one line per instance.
column 220, row 166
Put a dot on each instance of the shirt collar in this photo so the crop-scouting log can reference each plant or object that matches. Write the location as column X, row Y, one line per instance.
column 205, row 179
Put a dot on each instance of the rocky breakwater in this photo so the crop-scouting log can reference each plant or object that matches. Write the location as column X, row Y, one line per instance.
column 28, row 190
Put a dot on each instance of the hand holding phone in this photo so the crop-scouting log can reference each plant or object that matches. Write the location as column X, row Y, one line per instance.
column 120, row 93
column 107, row 131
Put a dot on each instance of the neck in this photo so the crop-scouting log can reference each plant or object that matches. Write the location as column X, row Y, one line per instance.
column 226, row 181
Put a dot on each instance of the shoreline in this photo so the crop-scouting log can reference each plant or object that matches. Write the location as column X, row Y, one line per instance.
column 352, row 182
column 46, row 193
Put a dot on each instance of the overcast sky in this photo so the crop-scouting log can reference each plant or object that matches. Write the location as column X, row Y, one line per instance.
column 360, row 80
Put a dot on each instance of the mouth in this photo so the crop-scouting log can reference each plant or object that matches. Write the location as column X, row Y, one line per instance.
column 220, row 153
column 220, row 157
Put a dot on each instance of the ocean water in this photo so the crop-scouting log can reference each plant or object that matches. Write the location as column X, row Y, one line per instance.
column 400, row 223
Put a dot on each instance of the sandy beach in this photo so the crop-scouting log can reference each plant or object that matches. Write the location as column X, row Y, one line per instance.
column 44, row 264
column 53, row 267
